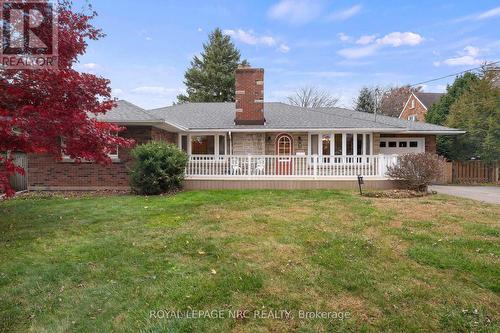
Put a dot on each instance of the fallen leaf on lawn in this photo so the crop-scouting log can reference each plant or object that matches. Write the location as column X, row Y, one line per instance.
column 200, row 252
column 213, row 271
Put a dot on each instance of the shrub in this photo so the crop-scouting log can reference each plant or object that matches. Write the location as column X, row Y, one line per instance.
column 417, row 171
column 158, row 168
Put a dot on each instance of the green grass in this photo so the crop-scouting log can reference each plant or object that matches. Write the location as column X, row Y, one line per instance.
column 101, row 264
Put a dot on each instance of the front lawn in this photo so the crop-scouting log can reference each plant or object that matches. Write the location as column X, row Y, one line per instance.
column 103, row 264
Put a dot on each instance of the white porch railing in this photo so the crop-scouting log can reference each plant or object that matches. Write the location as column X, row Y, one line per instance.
column 294, row 166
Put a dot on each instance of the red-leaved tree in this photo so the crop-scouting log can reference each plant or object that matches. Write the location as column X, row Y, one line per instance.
column 40, row 107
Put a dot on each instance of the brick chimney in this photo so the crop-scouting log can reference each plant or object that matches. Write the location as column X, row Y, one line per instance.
column 249, row 96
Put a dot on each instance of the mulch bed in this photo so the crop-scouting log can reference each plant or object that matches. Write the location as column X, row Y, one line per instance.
column 71, row 194
column 395, row 194
column 82, row 194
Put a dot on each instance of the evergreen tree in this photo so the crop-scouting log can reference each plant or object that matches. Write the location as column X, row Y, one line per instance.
column 365, row 102
column 477, row 111
column 211, row 76
column 369, row 99
column 438, row 112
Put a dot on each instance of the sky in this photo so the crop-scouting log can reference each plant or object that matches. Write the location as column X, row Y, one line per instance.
column 336, row 46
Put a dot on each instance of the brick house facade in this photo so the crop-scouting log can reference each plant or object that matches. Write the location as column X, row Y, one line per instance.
column 45, row 173
column 212, row 132
column 417, row 105
column 413, row 108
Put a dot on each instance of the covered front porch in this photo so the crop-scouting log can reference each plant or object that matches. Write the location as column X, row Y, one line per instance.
column 246, row 167
column 312, row 155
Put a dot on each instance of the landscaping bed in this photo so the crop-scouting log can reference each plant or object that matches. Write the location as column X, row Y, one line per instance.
column 395, row 194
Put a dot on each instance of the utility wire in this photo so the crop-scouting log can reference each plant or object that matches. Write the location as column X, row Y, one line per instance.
column 455, row 74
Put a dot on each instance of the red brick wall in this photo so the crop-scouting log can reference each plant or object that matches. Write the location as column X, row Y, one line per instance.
column 249, row 96
column 44, row 173
column 419, row 110
column 162, row 135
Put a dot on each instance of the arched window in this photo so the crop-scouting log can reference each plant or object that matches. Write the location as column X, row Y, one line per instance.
column 284, row 145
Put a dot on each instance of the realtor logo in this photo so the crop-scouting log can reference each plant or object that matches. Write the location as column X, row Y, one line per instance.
column 28, row 34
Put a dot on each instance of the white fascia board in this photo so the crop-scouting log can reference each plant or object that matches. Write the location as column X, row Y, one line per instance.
column 179, row 127
column 420, row 102
column 134, row 122
column 311, row 130
column 157, row 123
column 406, row 104
column 435, row 132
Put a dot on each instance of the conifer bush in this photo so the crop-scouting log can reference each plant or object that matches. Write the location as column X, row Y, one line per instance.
column 158, row 168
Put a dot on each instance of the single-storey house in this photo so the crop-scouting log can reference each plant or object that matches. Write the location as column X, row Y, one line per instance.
column 252, row 143
column 418, row 104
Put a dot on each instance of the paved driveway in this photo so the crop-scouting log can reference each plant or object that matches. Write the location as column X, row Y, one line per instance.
column 490, row 194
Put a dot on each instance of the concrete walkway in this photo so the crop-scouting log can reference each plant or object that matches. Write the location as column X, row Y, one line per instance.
column 490, row 194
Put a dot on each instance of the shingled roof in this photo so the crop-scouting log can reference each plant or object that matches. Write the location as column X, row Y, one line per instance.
column 428, row 99
column 127, row 112
column 279, row 116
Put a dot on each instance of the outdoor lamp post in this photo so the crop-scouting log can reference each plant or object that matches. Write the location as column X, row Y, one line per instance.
column 360, row 182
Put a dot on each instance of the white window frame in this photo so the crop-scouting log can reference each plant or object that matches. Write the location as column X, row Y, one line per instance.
column 66, row 158
column 114, row 156
column 332, row 155
column 216, row 142
column 412, row 104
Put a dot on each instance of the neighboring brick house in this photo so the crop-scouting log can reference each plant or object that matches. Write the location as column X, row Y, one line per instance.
column 252, row 143
column 417, row 105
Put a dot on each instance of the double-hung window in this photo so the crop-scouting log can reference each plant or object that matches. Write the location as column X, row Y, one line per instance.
column 113, row 152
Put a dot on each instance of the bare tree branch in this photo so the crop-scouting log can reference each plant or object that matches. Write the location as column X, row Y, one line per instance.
column 394, row 99
column 312, row 97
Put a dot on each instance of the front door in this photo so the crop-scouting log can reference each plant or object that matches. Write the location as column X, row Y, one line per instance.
column 284, row 150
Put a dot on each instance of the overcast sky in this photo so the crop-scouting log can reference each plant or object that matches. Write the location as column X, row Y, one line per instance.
column 338, row 46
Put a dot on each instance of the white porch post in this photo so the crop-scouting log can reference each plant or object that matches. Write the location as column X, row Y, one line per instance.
column 315, row 166
column 344, row 144
column 216, row 144
column 344, row 147
column 382, row 165
column 354, row 144
column 365, row 135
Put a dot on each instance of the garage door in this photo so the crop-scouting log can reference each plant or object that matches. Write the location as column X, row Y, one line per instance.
column 402, row 145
